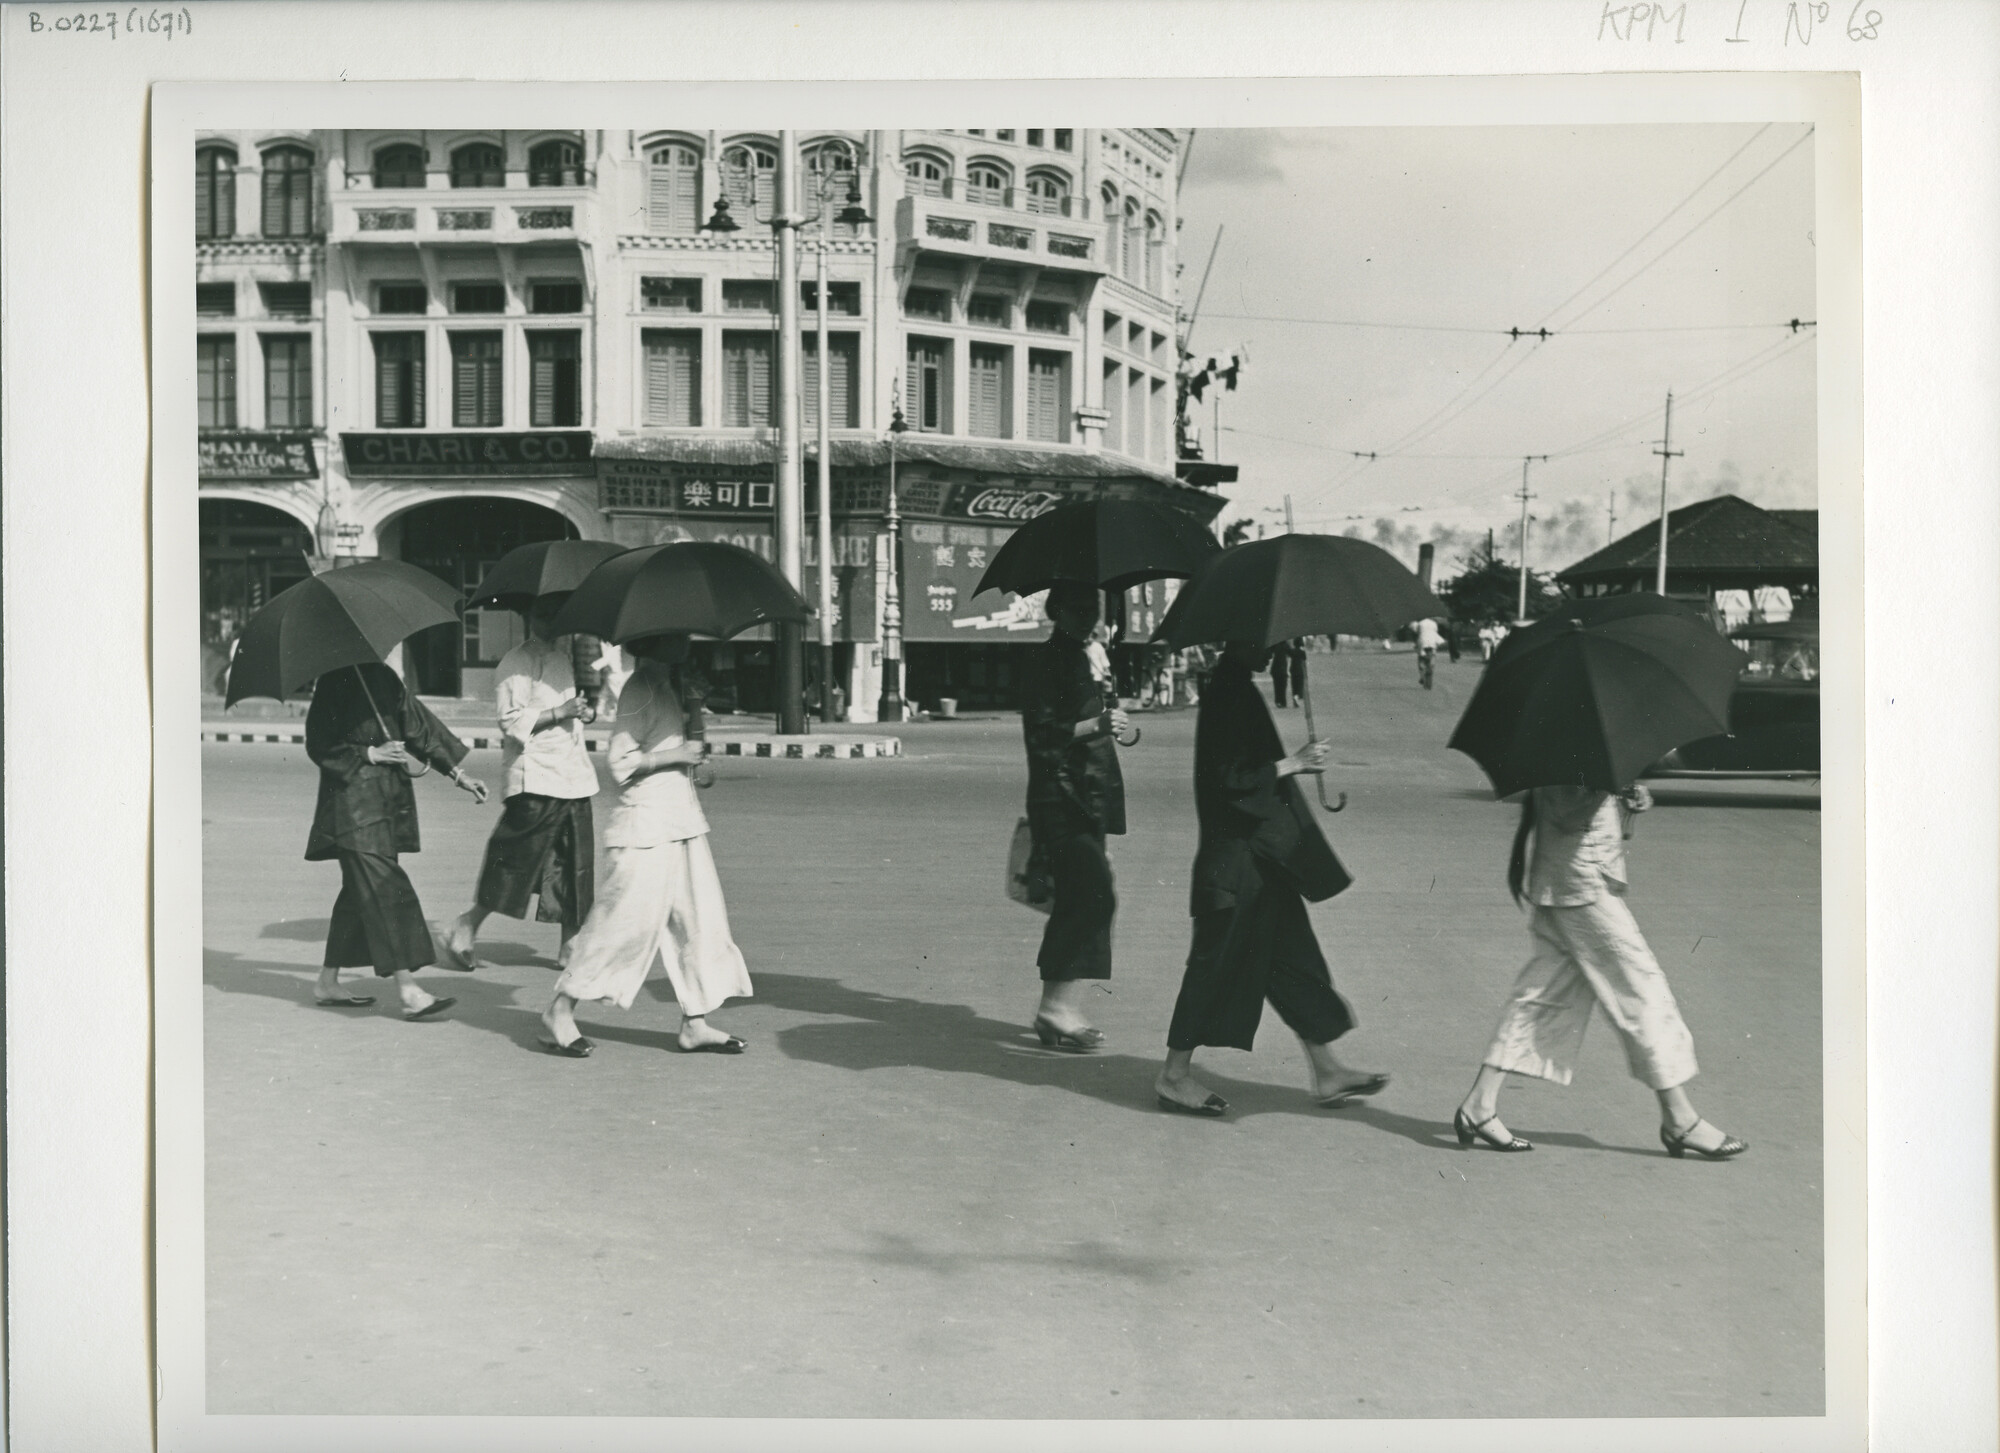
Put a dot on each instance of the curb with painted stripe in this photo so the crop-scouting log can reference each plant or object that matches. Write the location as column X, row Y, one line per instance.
column 790, row 749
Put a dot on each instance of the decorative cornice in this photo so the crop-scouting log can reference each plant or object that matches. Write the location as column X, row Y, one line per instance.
column 1124, row 290
column 259, row 248
column 660, row 242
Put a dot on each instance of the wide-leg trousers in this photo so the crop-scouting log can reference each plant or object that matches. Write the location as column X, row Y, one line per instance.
column 545, row 847
column 1264, row 948
column 1584, row 958
column 377, row 920
column 1076, row 943
column 659, row 899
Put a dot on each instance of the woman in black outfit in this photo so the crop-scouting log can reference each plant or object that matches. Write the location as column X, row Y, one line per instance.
column 1076, row 797
column 1252, row 938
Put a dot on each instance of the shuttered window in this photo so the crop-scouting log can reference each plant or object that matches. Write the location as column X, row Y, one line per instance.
column 215, row 380
column 673, row 190
column 673, row 378
column 930, row 385
column 1048, row 397
column 1135, row 413
column 555, row 379
column 987, row 403
column 843, row 399
column 399, row 380
column 748, row 383
column 1114, row 407
column 481, row 164
column 288, row 210
column 475, row 381
column 1134, row 241
column 401, row 165
column 287, row 381
column 214, row 192
column 556, row 164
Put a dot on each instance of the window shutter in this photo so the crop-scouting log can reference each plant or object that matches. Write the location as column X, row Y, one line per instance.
column 735, row 392
column 673, row 379
column 206, row 184
column 388, row 385
column 1045, row 399
column 414, row 388
column 986, row 395
column 845, row 353
column 762, row 385
column 686, row 197
column 465, row 382
column 542, row 389
column 660, row 198
column 274, row 199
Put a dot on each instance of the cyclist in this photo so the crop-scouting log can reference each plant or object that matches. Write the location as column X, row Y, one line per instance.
column 1429, row 638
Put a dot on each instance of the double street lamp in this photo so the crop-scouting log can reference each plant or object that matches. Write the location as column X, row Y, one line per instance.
column 786, row 222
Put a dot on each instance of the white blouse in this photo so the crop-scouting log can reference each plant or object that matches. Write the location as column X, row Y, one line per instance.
column 660, row 807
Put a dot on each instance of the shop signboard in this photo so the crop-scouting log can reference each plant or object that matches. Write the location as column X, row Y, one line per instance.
column 415, row 455
column 246, row 455
column 655, row 486
column 942, row 563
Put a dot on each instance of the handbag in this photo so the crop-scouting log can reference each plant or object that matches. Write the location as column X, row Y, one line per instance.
column 1028, row 880
column 1293, row 848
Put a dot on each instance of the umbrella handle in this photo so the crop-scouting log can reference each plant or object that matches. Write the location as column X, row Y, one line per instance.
column 1312, row 735
column 1131, row 741
column 422, row 767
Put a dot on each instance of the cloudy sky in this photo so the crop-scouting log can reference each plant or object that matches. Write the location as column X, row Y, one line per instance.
column 1456, row 235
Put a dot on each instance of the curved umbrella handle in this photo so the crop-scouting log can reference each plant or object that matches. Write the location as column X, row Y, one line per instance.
column 1320, row 782
column 1131, row 741
column 703, row 774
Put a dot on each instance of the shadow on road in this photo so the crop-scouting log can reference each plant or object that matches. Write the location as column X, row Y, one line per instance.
column 870, row 1031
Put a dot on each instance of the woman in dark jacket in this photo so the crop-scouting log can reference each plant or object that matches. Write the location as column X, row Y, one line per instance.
column 366, row 816
column 1075, row 797
column 1252, row 938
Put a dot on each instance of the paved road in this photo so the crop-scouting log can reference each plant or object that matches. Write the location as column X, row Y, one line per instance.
column 897, row 1204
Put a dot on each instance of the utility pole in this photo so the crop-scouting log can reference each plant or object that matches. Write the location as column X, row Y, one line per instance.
column 890, row 708
column 824, row 401
column 1667, row 454
column 791, row 475
column 1611, row 508
column 1521, row 614
column 1290, row 528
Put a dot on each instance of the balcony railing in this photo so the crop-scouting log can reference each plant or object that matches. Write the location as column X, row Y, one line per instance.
column 540, row 179
column 538, row 213
column 1013, row 199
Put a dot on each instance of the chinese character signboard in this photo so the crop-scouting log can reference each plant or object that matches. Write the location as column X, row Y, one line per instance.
column 942, row 564
column 649, row 486
column 257, row 456
column 428, row 456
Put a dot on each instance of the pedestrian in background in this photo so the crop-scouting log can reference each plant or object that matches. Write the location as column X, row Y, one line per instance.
column 366, row 817
column 1295, row 661
column 545, row 843
column 661, row 890
column 1428, row 641
column 1587, row 952
column 1252, row 938
column 1076, row 796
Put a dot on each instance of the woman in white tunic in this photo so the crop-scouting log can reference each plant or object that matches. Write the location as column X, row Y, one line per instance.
column 660, row 891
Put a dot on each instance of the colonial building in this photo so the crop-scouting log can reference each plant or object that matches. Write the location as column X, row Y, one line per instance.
column 523, row 335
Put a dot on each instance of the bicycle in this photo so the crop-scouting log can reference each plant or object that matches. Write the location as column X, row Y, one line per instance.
column 1426, row 660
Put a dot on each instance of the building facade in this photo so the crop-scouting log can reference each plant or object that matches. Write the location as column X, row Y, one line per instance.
column 444, row 344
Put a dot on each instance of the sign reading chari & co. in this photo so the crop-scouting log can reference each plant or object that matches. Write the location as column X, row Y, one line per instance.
column 419, row 455
column 257, row 456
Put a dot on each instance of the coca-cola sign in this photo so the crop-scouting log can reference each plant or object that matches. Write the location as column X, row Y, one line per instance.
column 997, row 502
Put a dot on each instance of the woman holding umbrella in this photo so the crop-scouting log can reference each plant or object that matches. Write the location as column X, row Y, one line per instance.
column 1571, row 710
column 661, row 892
column 366, row 817
column 544, row 843
column 368, row 736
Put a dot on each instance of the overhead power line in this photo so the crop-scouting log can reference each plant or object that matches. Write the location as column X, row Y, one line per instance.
column 1511, row 332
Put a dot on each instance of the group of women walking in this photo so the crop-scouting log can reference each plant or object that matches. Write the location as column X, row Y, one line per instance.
column 1252, row 938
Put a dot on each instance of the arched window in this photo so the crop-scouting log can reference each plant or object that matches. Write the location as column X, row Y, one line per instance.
column 1131, row 270
column 750, row 176
column 1048, row 193
column 1156, row 238
column 673, row 188
column 557, row 163
column 401, row 165
column 214, row 192
column 987, row 182
column 479, row 164
column 288, row 201
column 925, row 174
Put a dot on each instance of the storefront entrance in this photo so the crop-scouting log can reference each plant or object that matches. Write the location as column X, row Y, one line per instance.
column 459, row 541
column 249, row 553
column 978, row 677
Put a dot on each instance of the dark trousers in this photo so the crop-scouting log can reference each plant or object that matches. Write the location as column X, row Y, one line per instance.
column 1077, row 942
column 1263, row 948
column 377, row 921
column 544, row 846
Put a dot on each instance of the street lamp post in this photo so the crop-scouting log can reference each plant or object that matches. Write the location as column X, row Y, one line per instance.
column 891, row 706
column 852, row 215
column 791, row 477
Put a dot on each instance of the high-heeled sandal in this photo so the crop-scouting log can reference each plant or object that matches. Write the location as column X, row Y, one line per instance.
column 1468, row 1132
column 1678, row 1145
column 1076, row 1041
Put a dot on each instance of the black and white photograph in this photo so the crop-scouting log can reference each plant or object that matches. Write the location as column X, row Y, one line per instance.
column 775, row 702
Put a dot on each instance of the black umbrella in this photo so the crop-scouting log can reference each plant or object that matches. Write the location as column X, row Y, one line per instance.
column 346, row 617
column 1267, row 591
column 1591, row 695
column 547, row 567
column 1109, row 543
column 702, row 587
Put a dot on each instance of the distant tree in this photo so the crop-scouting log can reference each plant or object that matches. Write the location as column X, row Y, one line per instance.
column 1487, row 589
column 1236, row 532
